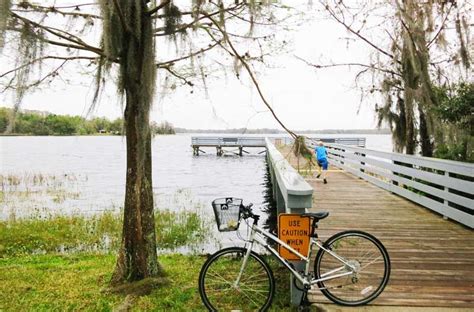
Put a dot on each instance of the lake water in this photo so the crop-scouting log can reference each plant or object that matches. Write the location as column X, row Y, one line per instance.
column 86, row 174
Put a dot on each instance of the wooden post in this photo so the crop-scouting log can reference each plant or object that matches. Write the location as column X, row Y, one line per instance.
column 362, row 163
column 446, row 189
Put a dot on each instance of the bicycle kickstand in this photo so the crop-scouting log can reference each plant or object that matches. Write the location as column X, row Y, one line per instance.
column 305, row 304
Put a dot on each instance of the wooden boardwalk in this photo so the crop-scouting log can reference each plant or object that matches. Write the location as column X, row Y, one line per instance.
column 432, row 258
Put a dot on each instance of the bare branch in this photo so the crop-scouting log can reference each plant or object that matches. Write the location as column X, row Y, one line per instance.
column 350, row 64
column 75, row 6
column 159, row 7
column 195, row 21
column 171, row 62
column 75, row 14
column 78, row 43
column 187, row 82
column 49, row 57
column 441, row 27
column 252, row 76
column 25, row 6
column 335, row 17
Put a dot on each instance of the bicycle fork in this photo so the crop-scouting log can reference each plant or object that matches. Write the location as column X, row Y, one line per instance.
column 244, row 263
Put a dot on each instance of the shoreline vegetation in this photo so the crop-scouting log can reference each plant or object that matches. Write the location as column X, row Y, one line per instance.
column 70, row 234
column 41, row 123
column 36, row 123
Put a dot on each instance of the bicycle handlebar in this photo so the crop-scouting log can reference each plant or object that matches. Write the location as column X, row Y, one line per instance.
column 247, row 212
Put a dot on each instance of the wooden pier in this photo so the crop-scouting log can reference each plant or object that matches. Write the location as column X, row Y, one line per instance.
column 432, row 256
column 222, row 144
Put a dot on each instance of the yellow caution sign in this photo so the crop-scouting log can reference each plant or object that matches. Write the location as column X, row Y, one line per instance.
column 294, row 230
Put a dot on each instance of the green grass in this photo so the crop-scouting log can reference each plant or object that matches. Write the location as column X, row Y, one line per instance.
column 100, row 232
column 59, row 264
column 77, row 283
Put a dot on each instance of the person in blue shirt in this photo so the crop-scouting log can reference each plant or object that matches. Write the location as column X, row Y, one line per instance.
column 322, row 159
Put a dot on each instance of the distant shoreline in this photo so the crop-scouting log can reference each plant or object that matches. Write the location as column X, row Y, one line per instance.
column 276, row 131
column 240, row 132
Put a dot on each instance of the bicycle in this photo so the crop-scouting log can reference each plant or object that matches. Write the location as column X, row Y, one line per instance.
column 350, row 268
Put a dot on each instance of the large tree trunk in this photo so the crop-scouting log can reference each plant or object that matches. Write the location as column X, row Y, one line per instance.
column 137, row 257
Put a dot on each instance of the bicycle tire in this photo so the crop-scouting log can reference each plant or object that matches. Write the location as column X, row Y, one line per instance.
column 364, row 252
column 218, row 274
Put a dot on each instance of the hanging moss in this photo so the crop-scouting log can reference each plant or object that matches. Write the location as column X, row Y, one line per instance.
column 4, row 14
column 132, row 58
column 172, row 18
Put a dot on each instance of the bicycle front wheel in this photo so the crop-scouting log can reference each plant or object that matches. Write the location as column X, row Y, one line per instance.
column 218, row 285
column 361, row 272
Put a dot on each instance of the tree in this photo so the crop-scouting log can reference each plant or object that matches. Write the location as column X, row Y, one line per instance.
column 410, row 56
column 128, row 47
column 455, row 112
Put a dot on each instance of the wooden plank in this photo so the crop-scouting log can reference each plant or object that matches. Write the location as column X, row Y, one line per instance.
column 458, row 215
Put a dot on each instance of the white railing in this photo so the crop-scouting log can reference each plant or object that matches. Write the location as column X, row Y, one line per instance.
column 291, row 192
column 312, row 141
column 292, row 195
column 444, row 186
column 260, row 141
column 228, row 141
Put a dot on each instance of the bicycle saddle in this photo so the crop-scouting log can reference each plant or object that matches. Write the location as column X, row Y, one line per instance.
column 316, row 215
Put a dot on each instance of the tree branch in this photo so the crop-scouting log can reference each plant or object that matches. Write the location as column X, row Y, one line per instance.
column 49, row 57
column 350, row 64
column 49, row 10
column 441, row 27
column 79, row 43
column 158, row 7
column 252, row 76
column 187, row 82
column 334, row 16
column 195, row 21
column 171, row 62
column 24, row 6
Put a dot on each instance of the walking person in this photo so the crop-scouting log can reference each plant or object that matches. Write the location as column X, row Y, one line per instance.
column 321, row 154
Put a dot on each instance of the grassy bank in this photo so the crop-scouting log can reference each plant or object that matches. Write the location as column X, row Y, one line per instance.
column 64, row 263
column 59, row 234
column 78, row 282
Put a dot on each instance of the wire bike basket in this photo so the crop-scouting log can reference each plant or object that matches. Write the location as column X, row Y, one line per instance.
column 227, row 213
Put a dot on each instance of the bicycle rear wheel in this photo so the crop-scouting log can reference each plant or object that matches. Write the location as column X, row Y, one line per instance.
column 217, row 282
column 365, row 257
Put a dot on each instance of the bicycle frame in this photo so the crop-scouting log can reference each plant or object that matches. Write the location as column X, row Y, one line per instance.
column 257, row 235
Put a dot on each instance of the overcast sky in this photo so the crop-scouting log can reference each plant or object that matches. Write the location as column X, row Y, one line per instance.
column 302, row 97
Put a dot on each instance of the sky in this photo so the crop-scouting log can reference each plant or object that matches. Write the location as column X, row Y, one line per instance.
column 302, row 97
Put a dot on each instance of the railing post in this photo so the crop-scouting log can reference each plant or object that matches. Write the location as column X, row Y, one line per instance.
column 446, row 189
